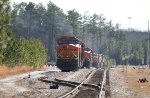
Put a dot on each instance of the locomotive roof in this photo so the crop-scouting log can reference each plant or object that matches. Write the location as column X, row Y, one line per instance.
column 68, row 38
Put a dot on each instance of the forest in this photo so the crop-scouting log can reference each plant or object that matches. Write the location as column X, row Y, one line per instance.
column 28, row 35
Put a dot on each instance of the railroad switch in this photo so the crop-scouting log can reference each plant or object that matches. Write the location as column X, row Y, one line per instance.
column 99, row 86
column 54, row 85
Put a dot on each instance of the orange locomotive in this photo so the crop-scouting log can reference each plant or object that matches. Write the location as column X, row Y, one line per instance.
column 87, row 57
column 97, row 60
column 69, row 53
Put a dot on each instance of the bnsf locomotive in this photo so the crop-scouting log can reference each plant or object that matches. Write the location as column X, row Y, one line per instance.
column 73, row 54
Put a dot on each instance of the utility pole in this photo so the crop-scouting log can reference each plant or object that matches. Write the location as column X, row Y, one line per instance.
column 148, row 30
column 148, row 45
column 129, row 23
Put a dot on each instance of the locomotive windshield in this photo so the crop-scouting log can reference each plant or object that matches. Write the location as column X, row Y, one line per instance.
column 63, row 41
column 86, row 49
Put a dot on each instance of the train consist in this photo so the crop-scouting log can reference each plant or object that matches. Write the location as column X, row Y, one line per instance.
column 72, row 54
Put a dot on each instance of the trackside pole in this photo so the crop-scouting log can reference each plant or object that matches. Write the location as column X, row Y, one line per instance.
column 78, row 56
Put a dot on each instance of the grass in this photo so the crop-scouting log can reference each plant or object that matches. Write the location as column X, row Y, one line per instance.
column 6, row 71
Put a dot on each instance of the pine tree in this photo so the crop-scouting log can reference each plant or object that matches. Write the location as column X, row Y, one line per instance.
column 5, row 32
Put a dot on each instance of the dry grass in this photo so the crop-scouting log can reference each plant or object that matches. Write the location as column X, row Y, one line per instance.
column 132, row 76
column 5, row 71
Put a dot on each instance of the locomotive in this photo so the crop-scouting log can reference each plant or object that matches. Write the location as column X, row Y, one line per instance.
column 97, row 60
column 72, row 54
column 87, row 55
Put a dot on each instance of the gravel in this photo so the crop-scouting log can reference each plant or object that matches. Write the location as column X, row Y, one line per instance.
column 21, row 86
column 78, row 76
column 118, row 87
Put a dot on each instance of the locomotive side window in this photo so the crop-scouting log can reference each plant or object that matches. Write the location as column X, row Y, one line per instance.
column 62, row 41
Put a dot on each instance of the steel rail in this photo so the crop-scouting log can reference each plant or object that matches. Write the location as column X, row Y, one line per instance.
column 77, row 88
column 67, row 83
column 102, row 84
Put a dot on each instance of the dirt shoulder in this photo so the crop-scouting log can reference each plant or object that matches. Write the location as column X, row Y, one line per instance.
column 125, row 82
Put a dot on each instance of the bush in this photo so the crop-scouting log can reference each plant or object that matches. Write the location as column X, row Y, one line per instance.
column 25, row 52
column 109, row 62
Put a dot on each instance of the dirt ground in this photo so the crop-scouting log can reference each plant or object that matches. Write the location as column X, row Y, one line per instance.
column 125, row 82
column 132, row 76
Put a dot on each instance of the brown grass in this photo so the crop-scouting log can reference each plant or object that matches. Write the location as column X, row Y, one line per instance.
column 5, row 71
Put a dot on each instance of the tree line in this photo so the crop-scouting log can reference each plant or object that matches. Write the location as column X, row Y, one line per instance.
column 20, row 51
column 35, row 21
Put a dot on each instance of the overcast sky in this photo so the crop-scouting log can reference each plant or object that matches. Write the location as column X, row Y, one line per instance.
column 116, row 10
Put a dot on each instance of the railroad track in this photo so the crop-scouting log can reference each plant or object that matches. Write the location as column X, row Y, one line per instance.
column 77, row 88
column 91, row 87
column 98, row 79
column 104, row 82
column 95, row 82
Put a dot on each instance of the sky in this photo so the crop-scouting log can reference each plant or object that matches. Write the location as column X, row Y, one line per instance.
column 118, row 11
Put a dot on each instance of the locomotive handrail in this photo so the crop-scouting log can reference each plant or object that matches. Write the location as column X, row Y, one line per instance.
column 76, row 89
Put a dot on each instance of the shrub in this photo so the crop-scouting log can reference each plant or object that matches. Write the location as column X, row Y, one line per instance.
column 25, row 52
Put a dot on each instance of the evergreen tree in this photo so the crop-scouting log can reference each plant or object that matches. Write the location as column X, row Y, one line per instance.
column 5, row 32
column 74, row 19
